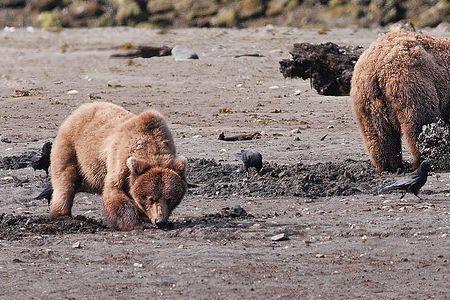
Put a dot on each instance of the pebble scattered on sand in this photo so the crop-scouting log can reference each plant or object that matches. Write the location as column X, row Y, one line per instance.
column 280, row 237
column 76, row 245
column 115, row 84
column 183, row 53
column 72, row 92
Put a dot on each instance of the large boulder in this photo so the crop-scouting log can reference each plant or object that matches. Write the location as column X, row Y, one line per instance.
column 129, row 12
column 84, row 9
column 250, row 8
column 12, row 3
column 226, row 17
column 160, row 6
column 435, row 15
column 43, row 5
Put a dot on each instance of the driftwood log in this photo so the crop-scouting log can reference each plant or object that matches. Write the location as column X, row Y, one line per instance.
column 240, row 137
column 145, row 52
column 328, row 66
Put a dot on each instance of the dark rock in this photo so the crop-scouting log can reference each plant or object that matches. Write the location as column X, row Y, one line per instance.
column 160, row 6
column 226, row 17
column 84, row 9
column 250, row 8
column 434, row 145
column 129, row 12
column 276, row 7
column 385, row 12
column 433, row 16
column 163, row 20
column 52, row 18
column 43, row 5
column 12, row 3
column 200, row 11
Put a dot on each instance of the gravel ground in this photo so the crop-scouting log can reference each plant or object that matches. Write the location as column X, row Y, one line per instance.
column 316, row 186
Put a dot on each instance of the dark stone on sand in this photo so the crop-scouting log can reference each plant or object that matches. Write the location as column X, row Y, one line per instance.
column 434, row 145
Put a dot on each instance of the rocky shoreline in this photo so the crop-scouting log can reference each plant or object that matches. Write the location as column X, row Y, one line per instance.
column 221, row 13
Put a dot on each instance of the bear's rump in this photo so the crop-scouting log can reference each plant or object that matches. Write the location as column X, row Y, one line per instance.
column 90, row 127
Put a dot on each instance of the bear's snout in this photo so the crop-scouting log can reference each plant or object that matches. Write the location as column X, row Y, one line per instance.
column 158, row 214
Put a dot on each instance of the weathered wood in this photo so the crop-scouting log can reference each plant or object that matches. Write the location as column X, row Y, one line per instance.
column 145, row 52
column 240, row 137
column 328, row 66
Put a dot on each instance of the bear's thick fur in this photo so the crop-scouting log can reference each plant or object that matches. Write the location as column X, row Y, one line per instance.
column 130, row 159
column 400, row 83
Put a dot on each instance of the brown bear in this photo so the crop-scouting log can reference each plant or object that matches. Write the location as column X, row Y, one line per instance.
column 130, row 159
column 400, row 83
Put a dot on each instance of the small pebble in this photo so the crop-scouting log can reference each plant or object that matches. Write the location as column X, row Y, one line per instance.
column 76, row 245
column 137, row 265
column 280, row 237
column 72, row 92
column 182, row 53
column 114, row 84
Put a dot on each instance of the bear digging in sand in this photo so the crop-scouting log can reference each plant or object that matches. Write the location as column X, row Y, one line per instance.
column 130, row 159
column 400, row 83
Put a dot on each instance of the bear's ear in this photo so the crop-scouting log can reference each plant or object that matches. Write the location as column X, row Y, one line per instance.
column 137, row 166
column 179, row 166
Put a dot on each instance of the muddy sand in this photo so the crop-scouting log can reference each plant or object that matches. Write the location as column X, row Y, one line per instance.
column 317, row 185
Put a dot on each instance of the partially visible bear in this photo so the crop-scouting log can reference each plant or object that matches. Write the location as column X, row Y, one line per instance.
column 400, row 83
column 131, row 159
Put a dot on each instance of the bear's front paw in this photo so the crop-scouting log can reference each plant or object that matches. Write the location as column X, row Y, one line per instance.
column 122, row 215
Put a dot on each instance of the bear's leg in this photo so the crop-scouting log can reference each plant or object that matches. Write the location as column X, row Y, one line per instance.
column 382, row 140
column 385, row 149
column 415, row 117
column 64, row 181
column 120, row 211
column 411, row 134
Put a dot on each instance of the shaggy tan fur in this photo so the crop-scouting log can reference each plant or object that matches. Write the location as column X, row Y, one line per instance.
column 131, row 159
column 400, row 83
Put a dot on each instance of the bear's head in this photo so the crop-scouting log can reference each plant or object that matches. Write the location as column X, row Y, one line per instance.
column 157, row 188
